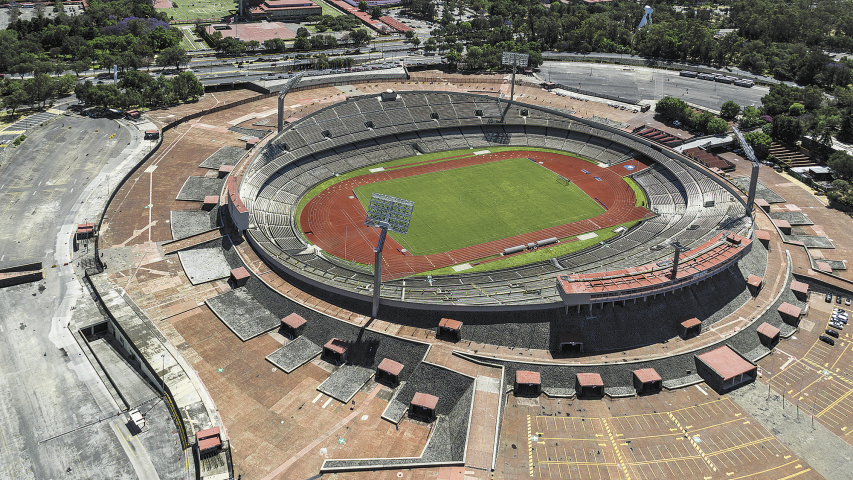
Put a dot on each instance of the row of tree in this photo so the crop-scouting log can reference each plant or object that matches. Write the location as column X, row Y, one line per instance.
column 676, row 109
column 139, row 89
column 34, row 91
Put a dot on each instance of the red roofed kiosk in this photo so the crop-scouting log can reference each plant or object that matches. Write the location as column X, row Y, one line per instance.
column 768, row 335
column 763, row 236
column 152, row 134
column 754, row 283
column 388, row 372
column 762, row 204
column 783, row 226
column 690, row 328
column 240, row 276
column 335, row 351
column 423, row 406
column 801, row 290
column 293, row 325
column 224, row 170
column 723, row 369
column 527, row 384
column 570, row 343
column 450, row 329
column 210, row 202
column 790, row 313
column 647, row 381
column 590, row 385
column 208, row 441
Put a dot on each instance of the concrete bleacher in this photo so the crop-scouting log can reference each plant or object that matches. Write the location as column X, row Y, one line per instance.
column 302, row 156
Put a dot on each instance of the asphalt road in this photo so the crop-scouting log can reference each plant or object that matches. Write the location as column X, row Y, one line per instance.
column 55, row 411
column 640, row 83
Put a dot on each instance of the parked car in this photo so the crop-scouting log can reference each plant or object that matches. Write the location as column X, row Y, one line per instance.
column 847, row 301
column 838, row 299
column 827, row 340
column 832, row 333
column 828, row 298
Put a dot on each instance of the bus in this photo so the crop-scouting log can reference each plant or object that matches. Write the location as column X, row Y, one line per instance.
column 742, row 82
column 688, row 73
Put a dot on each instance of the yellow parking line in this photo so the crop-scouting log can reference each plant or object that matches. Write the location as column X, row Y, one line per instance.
column 768, row 470
column 834, row 403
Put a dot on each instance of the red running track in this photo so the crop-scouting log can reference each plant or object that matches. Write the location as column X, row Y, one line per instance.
column 333, row 220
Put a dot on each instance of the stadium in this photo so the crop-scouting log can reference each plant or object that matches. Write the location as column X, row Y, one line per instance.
column 605, row 201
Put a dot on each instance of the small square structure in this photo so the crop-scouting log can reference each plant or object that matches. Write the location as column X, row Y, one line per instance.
column 790, row 313
column 335, row 351
column 527, row 384
column 85, row 230
column 754, row 283
column 239, row 276
column 208, row 441
column 250, row 143
column 224, row 170
column 723, row 369
column 783, row 226
column 590, row 385
column 768, row 335
column 449, row 329
column 570, row 343
column 647, row 381
column 293, row 325
column 152, row 134
column 763, row 236
column 801, row 290
column 762, row 204
column 690, row 328
column 823, row 266
column 423, row 406
column 210, row 202
column 388, row 372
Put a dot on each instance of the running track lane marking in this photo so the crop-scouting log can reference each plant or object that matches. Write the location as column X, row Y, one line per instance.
column 284, row 466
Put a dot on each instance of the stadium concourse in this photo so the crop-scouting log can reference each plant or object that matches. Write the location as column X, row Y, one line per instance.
column 280, row 334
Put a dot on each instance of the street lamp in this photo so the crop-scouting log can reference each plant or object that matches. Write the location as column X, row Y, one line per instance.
column 387, row 213
column 163, row 374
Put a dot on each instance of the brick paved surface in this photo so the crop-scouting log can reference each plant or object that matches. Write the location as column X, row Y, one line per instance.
column 271, row 417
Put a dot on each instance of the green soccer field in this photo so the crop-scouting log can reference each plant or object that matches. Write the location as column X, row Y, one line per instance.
column 477, row 204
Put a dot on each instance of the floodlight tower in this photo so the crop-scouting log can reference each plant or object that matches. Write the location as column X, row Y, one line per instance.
column 387, row 213
column 287, row 86
column 678, row 249
column 753, row 179
column 516, row 60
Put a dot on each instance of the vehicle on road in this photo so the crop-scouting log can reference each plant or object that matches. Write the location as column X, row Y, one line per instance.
column 827, row 340
column 828, row 298
column 832, row 333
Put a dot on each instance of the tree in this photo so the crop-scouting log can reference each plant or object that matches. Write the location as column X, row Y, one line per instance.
column 275, row 45
column 362, row 6
column 751, row 118
column 729, row 110
column 786, row 129
column 376, row 11
column 671, row 107
column 716, row 126
column 796, row 109
column 415, row 41
column 841, row 164
column 302, row 32
column 176, row 56
column 301, row 43
column 760, row 143
column 16, row 97
column 360, row 36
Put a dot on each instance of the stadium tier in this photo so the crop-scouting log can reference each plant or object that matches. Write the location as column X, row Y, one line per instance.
column 689, row 203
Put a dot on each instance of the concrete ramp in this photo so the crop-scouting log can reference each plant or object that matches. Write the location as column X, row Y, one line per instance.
column 21, row 273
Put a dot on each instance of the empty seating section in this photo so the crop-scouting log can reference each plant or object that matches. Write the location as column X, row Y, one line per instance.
column 301, row 156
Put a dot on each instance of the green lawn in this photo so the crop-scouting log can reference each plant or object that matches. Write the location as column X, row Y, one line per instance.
column 189, row 10
column 476, row 204
column 639, row 194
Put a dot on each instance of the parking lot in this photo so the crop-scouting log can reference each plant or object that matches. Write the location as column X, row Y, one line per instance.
column 592, row 439
column 818, row 380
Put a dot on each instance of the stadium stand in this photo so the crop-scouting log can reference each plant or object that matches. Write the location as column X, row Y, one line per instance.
column 302, row 156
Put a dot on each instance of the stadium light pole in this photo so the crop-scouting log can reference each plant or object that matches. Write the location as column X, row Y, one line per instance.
column 291, row 83
column 387, row 213
column 516, row 60
column 678, row 250
column 753, row 179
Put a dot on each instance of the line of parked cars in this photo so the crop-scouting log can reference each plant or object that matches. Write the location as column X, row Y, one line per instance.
column 837, row 321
